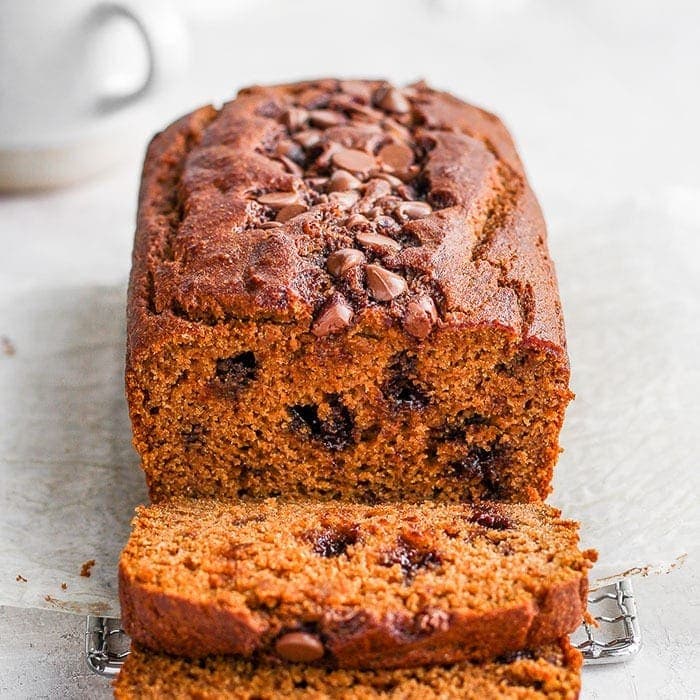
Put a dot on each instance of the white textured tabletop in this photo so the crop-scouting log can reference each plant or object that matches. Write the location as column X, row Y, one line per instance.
column 602, row 100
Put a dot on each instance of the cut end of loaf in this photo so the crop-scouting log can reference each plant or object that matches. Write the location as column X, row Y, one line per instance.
column 264, row 410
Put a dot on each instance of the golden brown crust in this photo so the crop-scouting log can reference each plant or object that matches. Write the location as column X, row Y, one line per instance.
column 551, row 672
column 201, row 249
column 384, row 586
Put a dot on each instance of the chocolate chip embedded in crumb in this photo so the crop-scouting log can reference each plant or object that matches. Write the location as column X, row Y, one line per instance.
column 386, row 224
column 279, row 200
column 384, row 285
column 342, row 260
column 420, row 317
column 391, row 100
column 353, row 160
column 342, row 180
column 299, row 647
column 371, row 240
column 325, row 118
column 490, row 517
column 396, row 156
column 334, row 541
column 335, row 317
column 414, row 210
column 411, row 554
column 290, row 211
column 295, row 118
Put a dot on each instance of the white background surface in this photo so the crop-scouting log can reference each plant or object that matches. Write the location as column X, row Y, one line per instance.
column 602, row 99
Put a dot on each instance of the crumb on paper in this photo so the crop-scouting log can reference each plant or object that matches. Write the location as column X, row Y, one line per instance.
column 7, row 346
column 64, row 585
column 21, row 578
column 86, row 568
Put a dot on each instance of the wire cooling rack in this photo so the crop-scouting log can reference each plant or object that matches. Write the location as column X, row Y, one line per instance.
column 614, row 639
column 617, row 636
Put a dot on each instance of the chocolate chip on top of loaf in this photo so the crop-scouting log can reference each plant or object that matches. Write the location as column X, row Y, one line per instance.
column 342, row 289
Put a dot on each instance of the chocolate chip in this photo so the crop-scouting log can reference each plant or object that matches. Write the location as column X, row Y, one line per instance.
column 344, row 200
column 299, row 647
column 490, row 517
column 290, row 211
column 334, row 541
column 395, row 130
column 479, row 464
column 342, row 180
column 402, row 386
column 391, row 179
column 291, row 166
column 375, row 241
column 195, row 435
column 391, row 100
column 342, row 260
column 335, row 317
column 278, row 200
column 238, row 371
column 442, row 199
column 295, row 118
column 334, row 432
column 318, row 183
column 347, row 103
column 353, row 160
column 376, row 188
column 308, row 138
column 420, row 317
column 384, row 285
column 358, row 89
column 396, row 156
column 357, row 221
column 413, row 210
column 411, row 554
column 326, row 118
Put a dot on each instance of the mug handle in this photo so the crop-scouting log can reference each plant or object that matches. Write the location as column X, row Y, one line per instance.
column 164, row 36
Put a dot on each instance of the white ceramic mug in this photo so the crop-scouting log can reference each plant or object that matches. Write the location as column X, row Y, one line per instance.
column 64, row 104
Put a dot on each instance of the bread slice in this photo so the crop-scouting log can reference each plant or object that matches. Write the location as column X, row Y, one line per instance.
column 551, row 672
column 351, row 585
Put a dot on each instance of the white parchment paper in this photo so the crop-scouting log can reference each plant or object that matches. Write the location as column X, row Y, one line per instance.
column 628, row 275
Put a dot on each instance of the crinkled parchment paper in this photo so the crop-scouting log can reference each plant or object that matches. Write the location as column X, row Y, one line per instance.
column 629, row 281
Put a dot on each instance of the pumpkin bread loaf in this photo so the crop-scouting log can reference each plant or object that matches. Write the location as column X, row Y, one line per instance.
column 342, row 289
column 551, row 672
column 350, row 585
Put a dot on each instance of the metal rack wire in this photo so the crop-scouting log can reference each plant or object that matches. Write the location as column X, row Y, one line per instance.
column 616, row 637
